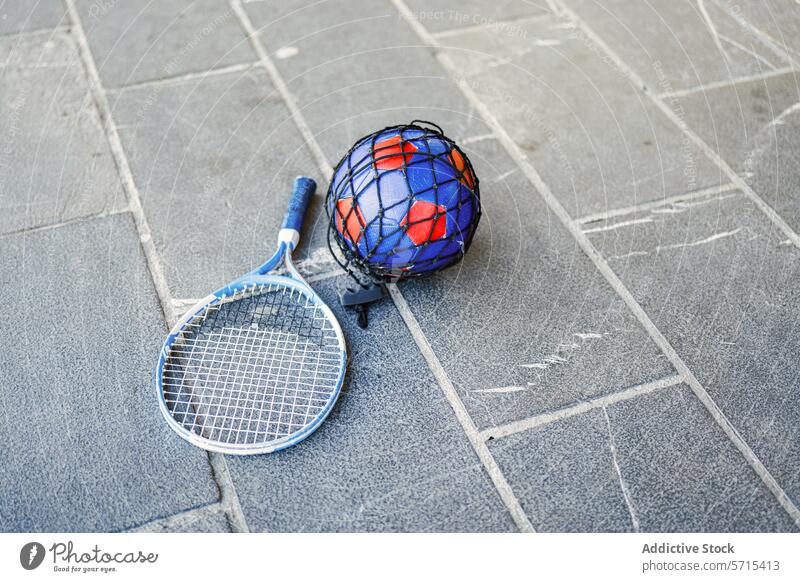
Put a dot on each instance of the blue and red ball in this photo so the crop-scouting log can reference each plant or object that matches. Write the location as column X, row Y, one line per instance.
column 403, row 202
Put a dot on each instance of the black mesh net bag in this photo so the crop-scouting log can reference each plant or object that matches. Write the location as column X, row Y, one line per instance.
column 403, row 202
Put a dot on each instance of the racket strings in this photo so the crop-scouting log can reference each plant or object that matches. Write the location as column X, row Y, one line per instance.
column 253, row 368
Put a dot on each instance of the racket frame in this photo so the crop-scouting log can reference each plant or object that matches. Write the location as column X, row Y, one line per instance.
column 288, row 238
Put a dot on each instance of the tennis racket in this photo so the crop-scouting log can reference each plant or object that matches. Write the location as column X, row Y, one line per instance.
column 256, row 366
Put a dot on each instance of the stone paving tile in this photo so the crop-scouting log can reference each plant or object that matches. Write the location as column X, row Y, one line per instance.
column 214, row 161
column 55, row 164
column 363, row 68
column 23, row 16
column 443, row 15
column 736, row 120
column 777, row 19
column 391, row 456
column 563, row 475
column 754, row 128
column 688, row 477
column 527, row 324
column 720, row 281
column 134, row 42
column 772, row 172
column 676, row 45
column 597, row 141
column 85, row 447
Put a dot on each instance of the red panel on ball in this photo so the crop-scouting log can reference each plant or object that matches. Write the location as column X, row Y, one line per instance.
column 461, row 166
column 421, row 218
column 349, row 220
column 389, row 154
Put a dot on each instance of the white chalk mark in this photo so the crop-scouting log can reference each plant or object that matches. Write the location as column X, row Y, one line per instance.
column 783, row 115
column 551, row 360
column 505, row 175
column 627, row 255
column 286, row 52
column 696, row 243
column 683, row 206
column 618, row 225
column 476, row 138
column 686, row 204
column 324, row 276
column 585, row 336
column 320, row 258
column 562, row 348
column 775, row 46
column 769, row 131
column 626, row 494
column 702, row 6
column 750, row 52
column 502, row 389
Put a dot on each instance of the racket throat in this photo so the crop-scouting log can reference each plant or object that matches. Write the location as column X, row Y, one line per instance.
column 290, row 237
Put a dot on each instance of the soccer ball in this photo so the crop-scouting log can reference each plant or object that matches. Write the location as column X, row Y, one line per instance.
column 403, row 202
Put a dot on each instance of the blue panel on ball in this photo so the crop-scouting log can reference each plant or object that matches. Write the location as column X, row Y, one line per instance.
column 395, row 195
column 401, row 259
column 380, row 237
column 463, row 216
column 435, row 250
column 361, row 156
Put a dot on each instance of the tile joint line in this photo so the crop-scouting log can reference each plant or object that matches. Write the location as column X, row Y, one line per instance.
column 178, row 518
column 218, row 466
column 485, row 456
column 735, row 178
column 699, row 390
column 479, row 445
column 64, row 223
column 726, row 83
column 498, row 25
column 655, row 204
column 23, row 33
column 616, row 283
column 777, row 49
column 604, row 401
column 177, row 79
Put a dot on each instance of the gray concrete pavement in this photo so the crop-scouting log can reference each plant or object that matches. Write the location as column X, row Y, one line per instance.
column 616, row 353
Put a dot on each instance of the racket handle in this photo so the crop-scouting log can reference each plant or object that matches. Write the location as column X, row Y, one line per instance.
column 302, row 193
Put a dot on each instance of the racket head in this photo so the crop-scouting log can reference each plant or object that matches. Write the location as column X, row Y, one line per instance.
column 253, row 368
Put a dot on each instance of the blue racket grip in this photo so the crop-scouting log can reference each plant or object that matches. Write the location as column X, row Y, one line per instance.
column 304, row 189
